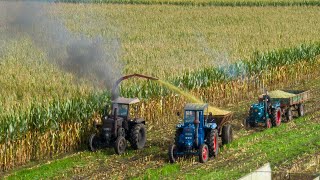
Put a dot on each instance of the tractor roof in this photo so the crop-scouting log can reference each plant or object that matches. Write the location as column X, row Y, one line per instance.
column 122, row 100
column 196, row 106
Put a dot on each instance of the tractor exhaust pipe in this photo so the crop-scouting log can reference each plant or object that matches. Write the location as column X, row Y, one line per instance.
column 196, row 123
column 115, row 121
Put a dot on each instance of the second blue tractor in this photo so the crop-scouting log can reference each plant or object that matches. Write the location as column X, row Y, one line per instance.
column 199, row 132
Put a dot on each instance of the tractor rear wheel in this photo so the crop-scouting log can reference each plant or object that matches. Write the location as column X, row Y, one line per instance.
column 227, row 134
column 289, row 114
column 138, row 136
column 120, row 145
column 203, row 153
column 300, row 110
column 212, row 141
column 172, row 153
column 276, row 117
column 93, row 142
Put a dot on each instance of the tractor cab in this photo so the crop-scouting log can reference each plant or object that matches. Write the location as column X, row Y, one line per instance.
column 121, row 106
column 197, row 112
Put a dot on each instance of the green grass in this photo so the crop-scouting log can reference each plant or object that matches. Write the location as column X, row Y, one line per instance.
column 51, row 169
column 66, row 167
column 62, row 167
column 165, row 170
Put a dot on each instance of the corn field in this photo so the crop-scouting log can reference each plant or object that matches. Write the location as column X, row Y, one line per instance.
column 263, row 62
column 45, row 112
column 61, row 127
column 205, row 2
column 173, row 40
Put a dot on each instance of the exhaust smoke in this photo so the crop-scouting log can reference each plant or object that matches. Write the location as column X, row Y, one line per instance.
column 96, row 59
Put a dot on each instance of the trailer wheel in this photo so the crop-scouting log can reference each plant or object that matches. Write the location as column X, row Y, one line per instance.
column 300, row 110
column 276, row 117
column 213, row 144
column 138, row 136
column 203, row 153
column 93, row 142
column 268, row 123
column 120, row 145
column 289, row 114
column 172, row 153
column 227, row 134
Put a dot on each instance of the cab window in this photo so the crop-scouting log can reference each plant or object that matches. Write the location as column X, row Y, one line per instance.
column 189, row 116
column 123, row 110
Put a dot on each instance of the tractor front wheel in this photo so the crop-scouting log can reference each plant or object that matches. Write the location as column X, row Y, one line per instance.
column 138, row 136
column 203, row 153
column 93, row 142
column 300, row 110
column 212, row 141
column 276, row 117
column 227, row 134
column 172, row 153
column 120, row 145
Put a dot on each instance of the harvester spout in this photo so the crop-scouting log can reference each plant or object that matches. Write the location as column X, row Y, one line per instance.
column 114, row 88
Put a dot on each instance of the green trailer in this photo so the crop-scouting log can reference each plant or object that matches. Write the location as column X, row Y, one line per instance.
column 290, row 100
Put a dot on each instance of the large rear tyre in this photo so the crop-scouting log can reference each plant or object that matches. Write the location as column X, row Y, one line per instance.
column 172, row 153
column 203, row 153
column 212, row 141
column 227, row 134
column 276, row 117
column 289, row 114
column 93, row 142
column 300, row 110
column 138, row 136
column 120, row 145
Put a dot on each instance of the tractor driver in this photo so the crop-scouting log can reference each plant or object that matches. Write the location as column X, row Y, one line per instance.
column 210, row 118
column 268, row 99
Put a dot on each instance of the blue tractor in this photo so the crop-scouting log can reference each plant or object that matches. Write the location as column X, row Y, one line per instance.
column 198, row 134
column 264, row 112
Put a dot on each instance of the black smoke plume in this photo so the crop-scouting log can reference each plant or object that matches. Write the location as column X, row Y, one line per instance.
column 96, row 59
